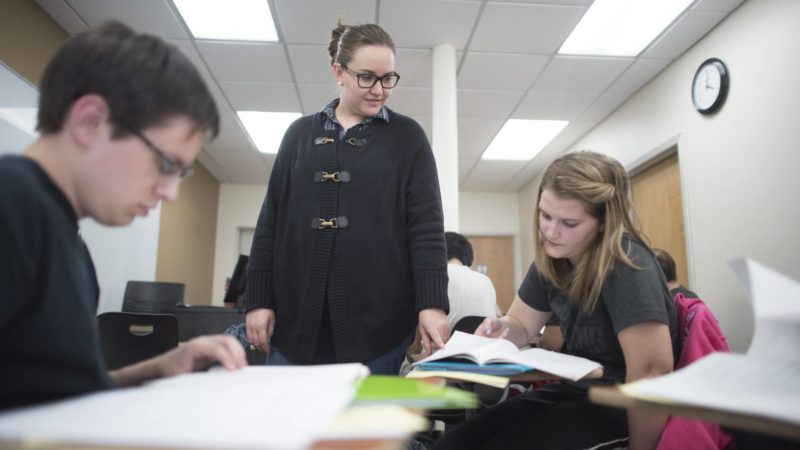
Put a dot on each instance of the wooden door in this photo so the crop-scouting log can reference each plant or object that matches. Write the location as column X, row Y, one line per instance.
column 494, row 257
column 657, row 199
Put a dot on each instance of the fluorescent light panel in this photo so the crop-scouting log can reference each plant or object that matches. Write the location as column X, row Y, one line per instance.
column 266, row 129
column 237, row 20
column 621, row 27
column 22, row 118
column 521, row 140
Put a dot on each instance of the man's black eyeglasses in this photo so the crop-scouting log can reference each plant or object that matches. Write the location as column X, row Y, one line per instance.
column 368, row 80
column 167, row 166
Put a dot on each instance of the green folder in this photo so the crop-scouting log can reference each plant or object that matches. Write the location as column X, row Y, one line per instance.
column 394, row 390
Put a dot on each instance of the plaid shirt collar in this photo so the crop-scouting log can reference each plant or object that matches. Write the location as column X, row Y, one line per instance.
column 331, row 124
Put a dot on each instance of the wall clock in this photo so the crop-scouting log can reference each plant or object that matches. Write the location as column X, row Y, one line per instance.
column 710, row 86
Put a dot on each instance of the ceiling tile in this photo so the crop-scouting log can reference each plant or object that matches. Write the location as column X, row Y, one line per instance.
column 472, row 149
column 309, row 64
column 228, row 121
column 477, row 129
column 465, row 166
column 415, row 67
column 212, row 166
column 683, row 34
column 580, row 75
column 524, row 28
column 637, row 75
column 63, row 15
column 244, row 167
column 507, row 71
column 246, row 61
column 411, row 101
column 314, row 97
column 312, row 21
column 229, row 142
column 273, row 97
column 602, row 107
column 187, row 48
column 552, row 106
column 491, row 175
column 717, row 5
column 421, row 23
column 473, row 103
column 151, row 16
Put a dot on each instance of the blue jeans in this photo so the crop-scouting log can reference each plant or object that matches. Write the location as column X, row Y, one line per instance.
column 386, row 364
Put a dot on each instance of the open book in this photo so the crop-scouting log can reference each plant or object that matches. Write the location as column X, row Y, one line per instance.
column 470, row 353
column 765, row 382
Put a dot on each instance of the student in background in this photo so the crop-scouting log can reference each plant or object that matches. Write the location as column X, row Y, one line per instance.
column 470, row 293
column 348, row 254
column 594, row 271
column 122, row 115
column 668, row 266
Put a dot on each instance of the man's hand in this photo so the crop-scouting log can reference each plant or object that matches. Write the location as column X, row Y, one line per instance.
column 260, row 325
column 434, row 328
column 197, row 354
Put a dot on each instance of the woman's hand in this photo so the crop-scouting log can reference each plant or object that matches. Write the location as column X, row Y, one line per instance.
column 260, row 324
column 494, row 328
column 433, row 328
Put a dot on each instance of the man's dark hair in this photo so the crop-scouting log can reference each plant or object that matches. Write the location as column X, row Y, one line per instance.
column 144, row 80
column 667, row 264
column 458, row 247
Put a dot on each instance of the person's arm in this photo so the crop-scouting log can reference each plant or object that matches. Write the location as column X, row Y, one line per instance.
column 520, row 325
column 551, row 339
column 648, row 353
column 197, row 354
column 426, row 245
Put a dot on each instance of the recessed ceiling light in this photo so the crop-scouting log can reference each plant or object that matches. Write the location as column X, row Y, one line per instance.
column 621, row 27
column 266, row 129
column 237, row 20
column 521, row 140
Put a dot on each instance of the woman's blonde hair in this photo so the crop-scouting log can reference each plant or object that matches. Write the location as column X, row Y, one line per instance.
column 601, row 184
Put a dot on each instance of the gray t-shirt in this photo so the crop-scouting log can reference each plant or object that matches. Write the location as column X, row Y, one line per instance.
column 628, row 296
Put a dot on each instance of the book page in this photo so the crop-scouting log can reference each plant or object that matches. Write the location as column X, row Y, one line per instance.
column 729, row 382
column 776, row 307
column 475, row 348
column 255, row 407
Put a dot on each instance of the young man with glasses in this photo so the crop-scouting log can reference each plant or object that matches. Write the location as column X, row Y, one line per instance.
column 348, row 255
column 122, row 115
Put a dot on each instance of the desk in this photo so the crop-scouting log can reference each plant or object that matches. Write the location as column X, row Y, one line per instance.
column 612, row 396
column 196, row 321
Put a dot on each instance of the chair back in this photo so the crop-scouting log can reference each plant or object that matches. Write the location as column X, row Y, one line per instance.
column 468, row 324
column 127, row 338
column 152, row 296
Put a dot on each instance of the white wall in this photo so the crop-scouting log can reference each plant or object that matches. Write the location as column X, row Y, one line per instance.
column 239, row 205
column 739, row 168
column 492, row 214
column 121, row 254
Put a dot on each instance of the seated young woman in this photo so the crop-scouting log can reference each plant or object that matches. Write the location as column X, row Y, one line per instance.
column 593, row 270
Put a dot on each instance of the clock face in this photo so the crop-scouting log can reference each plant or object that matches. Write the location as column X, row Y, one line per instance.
column 709, row 86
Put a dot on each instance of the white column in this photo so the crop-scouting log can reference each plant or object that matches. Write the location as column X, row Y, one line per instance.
column 445, row 130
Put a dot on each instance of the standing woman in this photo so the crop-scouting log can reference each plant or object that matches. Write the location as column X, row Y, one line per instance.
column 594, row 271
column 349, row 254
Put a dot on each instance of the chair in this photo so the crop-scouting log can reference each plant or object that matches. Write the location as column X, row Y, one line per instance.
column 152, row 296
column 127, row 338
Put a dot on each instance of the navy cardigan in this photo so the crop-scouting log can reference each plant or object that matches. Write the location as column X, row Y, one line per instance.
column 385, row 261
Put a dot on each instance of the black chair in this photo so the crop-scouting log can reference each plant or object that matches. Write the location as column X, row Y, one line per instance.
column 152, row 296
column 127, row 338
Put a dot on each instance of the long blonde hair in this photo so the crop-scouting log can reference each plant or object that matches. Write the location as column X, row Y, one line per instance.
column 601, row 184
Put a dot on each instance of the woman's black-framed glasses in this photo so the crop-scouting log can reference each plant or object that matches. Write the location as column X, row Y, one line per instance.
column 167, row 166
column 368, row 80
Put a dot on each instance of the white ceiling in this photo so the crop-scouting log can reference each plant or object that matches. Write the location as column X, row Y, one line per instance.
column 507, row 68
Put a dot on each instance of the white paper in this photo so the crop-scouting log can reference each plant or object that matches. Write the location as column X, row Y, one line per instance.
column 483, row 350
column 256, row 407
column 765, row 382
